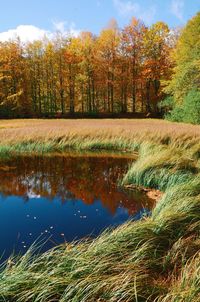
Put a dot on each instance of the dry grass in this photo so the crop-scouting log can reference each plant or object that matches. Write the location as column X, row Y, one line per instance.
column 115, row 126
column 105, row 132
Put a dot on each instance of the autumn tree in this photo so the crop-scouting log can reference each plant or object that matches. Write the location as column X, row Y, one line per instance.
column 13, row 90
column 72, row 59
column 108, row 42
column 87, row 77
column 132, row 39
column 156, row 62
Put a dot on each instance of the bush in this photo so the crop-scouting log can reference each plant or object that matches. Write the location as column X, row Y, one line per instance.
column 189, row 111
column 192, row 107
column 167, row 104
column 176, row 115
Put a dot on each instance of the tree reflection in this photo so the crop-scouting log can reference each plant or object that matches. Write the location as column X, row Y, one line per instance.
column 71, row 178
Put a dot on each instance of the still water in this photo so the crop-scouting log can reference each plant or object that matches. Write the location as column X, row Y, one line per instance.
column 63, row 198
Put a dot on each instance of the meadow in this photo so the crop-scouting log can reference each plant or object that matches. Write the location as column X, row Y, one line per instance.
column 154, row 259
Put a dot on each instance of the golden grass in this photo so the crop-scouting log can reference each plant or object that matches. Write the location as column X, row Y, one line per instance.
column 15, row 131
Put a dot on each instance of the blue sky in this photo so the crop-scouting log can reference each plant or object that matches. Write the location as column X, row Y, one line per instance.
column 36, row 17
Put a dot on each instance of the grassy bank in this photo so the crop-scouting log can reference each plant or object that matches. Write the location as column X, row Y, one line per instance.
column 155, row 259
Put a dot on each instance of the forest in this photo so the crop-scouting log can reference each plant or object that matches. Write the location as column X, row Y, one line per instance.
column 136, row 69
column 118, row 71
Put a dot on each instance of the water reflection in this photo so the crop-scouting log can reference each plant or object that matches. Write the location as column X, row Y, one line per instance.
column 71, row 178
column 63, row 197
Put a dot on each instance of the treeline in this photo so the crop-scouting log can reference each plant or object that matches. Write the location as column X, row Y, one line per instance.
column 119, row 71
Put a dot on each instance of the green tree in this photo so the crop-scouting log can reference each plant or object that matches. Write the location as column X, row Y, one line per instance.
column 189, row 110
column 187, row 58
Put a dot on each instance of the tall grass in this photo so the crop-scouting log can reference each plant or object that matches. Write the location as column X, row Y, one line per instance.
column 43, row 136
column 155, row 259
column 161, row 167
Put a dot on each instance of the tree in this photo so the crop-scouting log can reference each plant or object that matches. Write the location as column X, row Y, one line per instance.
column 13, row 90
column 157, row 63
column 132, row 39
column 186, row 74
column 108, row 42
column 88, row 74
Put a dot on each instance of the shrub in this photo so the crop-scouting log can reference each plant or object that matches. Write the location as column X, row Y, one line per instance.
column 192, row 107
column 176, row 115
column 167, row 104
column 189, row 111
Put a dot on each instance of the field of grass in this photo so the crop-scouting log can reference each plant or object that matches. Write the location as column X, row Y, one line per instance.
column 155, row 259
column 61, row 135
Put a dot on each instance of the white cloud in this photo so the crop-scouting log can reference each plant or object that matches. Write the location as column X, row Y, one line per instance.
column 73, row 31
column 126, row 7
column 148, row 15
column 59, row 26
column 29, row 33
column 177, row 9
column 66, row 29
column 24, row 32
column 130, row 8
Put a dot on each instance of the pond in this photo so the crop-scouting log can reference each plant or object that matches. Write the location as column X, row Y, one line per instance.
column 63, row 198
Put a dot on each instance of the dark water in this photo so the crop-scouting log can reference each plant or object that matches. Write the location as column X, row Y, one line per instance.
column 62, row 199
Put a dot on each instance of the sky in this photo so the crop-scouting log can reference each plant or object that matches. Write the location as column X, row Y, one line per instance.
column 32, row 19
